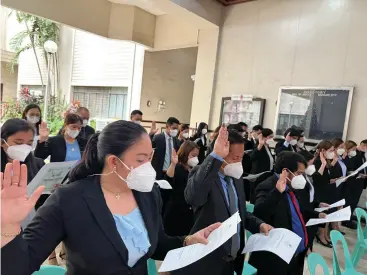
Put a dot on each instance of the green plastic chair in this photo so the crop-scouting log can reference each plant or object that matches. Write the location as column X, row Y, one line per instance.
column 250, row 207
column 248, row 269
column 50, row 270
column 361, row 244
column 152, row 268
column 315, row 259
column 349, row 269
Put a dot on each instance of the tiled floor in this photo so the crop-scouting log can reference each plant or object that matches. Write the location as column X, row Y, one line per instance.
column 326, row 253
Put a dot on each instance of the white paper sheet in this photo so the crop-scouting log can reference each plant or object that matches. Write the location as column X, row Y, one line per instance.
column 336, row 204
column 185, row 256
column 163, row 184
column 340, row 181
column 280, row 241
column 338, row 216
column 50, row 174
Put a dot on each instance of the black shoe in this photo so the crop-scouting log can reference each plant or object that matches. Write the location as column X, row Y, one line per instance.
column 350, row 225
column 322, row 243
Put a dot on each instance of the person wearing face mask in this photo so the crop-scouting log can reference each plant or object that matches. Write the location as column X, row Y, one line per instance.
column 215, row 191
column 201, row 140
column 179, row 218
column 252, row 141
column 109, row 217
column 32, row 113
column 163, row 145
column 136, row 116
column 277, row 204
column 300, row 146
column 353, row 187
column 183, row 133
column 66, row 147
column 324, row 182
column 289, row 143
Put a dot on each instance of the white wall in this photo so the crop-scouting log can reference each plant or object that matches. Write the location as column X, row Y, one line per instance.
column 266, row 44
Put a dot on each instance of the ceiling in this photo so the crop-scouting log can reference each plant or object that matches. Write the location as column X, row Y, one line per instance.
column 232, row 2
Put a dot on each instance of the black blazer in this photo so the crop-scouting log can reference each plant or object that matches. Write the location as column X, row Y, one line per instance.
column 204, row 192
column 159, row 144
column 56, row 147
column 357, row 161
column 92, row 242
column 279, row 147
column 178, row 218
column 260, row 161
column 273, row 208
column 203, row 147
column 251, row 144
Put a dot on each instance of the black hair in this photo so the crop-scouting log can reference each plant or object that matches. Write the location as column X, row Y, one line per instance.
column 235, row 127
column 257, row 128
column 293, row 132
column 71, row 119
column 267, row 132
column 32, row 106
column 242, row 124
column 172, row 120
column 288, row 160
column 115, row 139
column 336, row 142
column 82, row 109
column 182, row 128
column 136, row 112
column 364, row 141
column 235, row 138
column 201, row 126
column 307, row 155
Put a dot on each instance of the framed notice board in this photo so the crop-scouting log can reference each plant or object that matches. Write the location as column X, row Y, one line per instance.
column 322, row 112
column 235, row 109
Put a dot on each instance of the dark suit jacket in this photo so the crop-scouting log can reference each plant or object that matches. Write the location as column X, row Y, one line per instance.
column 203, row 147
column 357, row 161
column 56, row 147
column 159, row 144
column 260, row 161
column 273, row 208
column 205, row 193
column 78, row 215
column 279, row 147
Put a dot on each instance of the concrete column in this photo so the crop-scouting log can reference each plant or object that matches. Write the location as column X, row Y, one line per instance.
column 204, row 76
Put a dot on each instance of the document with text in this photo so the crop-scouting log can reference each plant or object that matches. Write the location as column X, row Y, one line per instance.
column 336, row 204
column 338, row 216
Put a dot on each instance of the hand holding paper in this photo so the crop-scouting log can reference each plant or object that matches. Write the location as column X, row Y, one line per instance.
column 338, row 216
column 163, row 184
column 336, row 204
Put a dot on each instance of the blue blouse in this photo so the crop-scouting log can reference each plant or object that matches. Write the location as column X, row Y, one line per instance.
column 134, row 234
column 72, row 151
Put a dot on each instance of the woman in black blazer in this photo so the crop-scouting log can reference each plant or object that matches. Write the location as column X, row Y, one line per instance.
column 201, row 140
column 113, row 182
column 183, row 133
column 178, row 218
column 65, row 147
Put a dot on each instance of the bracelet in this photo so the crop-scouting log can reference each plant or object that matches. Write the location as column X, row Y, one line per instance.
column 188, row 237
column 10, row 235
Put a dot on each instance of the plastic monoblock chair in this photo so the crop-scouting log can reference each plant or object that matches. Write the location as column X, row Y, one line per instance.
column 349, row 269
column 50, row 270
column 152, row 268
column 315, row 259
column 248, row 269
column 250, row 207
column 361, row 244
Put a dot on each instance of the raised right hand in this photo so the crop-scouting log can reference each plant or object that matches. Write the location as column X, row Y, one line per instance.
column 174, row 157
column 261, row 140
column 288, row 137
column 282, row 182
column 322, row 158
column 44, row 132
column 221, row 146
column 15, row 203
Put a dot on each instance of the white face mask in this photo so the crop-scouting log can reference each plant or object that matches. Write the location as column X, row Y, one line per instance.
column 141, row 178
column 352, row 153
column 72, row 133
column 298, row 182
column 173, row 133
column 300, row 144
column 234, row 170
column 330, row 155
column 18, row 152
column 137, row 122
column 310, row 170
column 204, row 131
column 293, row 142
column 193, row 162
column 269, row 141
column 85, row 122
column 185, row 135
column 340, row 151
column 33, row 119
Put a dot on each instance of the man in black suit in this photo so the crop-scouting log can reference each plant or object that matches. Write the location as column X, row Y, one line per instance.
column 289, row 143
column 253, row 138
column 215, row 191
column 136, row 116
column 277, row 204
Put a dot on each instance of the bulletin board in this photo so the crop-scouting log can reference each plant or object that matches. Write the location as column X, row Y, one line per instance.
column 323, row 112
